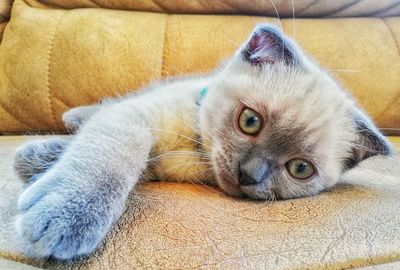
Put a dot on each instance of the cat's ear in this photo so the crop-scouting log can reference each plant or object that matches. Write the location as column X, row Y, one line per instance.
column 370, row 141
column 268, row 45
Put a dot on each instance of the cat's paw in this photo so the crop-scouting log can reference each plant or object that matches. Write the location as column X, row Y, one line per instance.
column 62, row 221
column 36, row 157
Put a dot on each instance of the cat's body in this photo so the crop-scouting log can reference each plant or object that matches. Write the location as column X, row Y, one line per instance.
column 171, row 112
column 269, row 124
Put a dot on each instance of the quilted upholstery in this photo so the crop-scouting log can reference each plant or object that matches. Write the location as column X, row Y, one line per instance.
column 54, row 59
column 175, row 226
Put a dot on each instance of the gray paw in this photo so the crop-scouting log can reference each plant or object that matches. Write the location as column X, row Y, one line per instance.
column 36, row 157
column 65, row 220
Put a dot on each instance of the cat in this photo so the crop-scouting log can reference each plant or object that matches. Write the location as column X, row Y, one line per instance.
column 268, row 124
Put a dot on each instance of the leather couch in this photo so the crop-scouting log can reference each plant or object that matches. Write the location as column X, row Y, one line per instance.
column 56, row 54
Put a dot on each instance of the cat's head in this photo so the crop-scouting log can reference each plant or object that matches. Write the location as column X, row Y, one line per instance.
column 280, row 126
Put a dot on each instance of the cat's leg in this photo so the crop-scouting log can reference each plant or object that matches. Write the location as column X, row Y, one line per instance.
column 76, row 117
column 68, row 211
column 36, row 157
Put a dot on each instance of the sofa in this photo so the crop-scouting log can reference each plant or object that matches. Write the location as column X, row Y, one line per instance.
column 55, row 55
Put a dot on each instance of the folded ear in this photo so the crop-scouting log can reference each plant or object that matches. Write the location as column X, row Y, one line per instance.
column 268, row 45
column 370, row 141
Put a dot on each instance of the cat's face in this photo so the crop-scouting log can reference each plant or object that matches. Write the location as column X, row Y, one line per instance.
column 280, row 126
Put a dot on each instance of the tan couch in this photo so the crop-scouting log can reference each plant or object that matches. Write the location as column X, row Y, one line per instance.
column 58, row 54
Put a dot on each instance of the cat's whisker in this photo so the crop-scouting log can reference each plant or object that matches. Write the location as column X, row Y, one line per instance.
column 207, row 187
column 391, row 129
column 234, row 42
column 202, row 153
column 180, row 164
column 178, row 156
column 181, row 155
column 294, row 21
column 175, row 133
column 200, row 183
column 203, row 172
column 189, row 153
column 210, row 138
column 204, row 136
column 366, row 100
column 186, row 137
column 270, row 198
column 281, row 25
column 277, row 13
column 345, row 70
column 239, row 45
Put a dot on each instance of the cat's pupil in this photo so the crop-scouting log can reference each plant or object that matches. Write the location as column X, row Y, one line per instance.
column 251, row 121
column 301, row 168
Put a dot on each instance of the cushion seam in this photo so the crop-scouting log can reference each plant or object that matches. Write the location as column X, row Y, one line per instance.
column 163, row 56
column 299, row 12
column 384, row 12
column 48, row 83
column 341, row 9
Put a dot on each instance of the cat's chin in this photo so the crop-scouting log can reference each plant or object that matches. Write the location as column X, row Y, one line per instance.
column 230, row 186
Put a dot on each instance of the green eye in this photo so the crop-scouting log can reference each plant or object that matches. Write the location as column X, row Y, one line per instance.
column 300, row 168
column 249, row 122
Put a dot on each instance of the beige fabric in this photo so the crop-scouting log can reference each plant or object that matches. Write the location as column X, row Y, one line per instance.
column 304, row 8
column 12, row 265
column 171, row 226
column 386, row 266
column 54, row 59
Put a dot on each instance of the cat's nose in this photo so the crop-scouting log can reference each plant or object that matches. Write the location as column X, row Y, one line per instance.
column 253, row 171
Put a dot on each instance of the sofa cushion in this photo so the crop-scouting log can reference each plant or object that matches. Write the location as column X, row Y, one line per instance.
column 53, row 59
column 175, row 226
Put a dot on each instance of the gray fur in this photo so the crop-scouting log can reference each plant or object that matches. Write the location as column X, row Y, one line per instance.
column 81, row 187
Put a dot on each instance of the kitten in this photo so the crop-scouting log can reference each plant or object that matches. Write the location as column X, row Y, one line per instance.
column 269, row 124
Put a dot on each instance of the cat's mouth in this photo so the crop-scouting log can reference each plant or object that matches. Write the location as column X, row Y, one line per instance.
column 229, row 182
column 229, row 185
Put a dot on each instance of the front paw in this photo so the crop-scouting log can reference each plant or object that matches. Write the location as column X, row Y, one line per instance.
column 62, row 222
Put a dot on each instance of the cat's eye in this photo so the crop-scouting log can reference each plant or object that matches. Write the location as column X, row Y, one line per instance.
column 249, row 122
column 300, row 168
